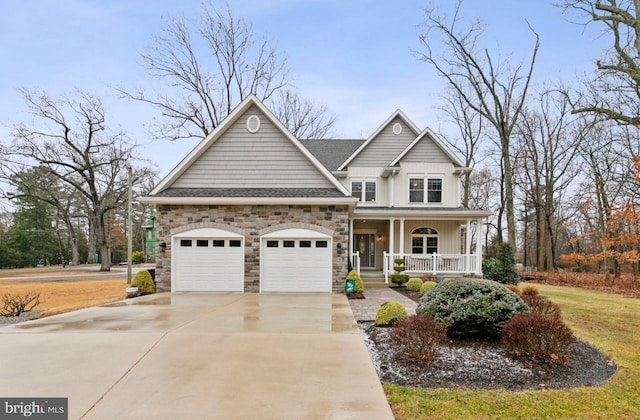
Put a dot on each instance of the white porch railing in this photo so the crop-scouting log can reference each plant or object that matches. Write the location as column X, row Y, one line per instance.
column 433, row 264
column 355, row 261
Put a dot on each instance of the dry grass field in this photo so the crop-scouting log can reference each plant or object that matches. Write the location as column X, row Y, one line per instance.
column 62, row 296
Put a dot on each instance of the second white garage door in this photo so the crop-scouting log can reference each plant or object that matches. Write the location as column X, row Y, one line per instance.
column 208, row 260
column 296, row 260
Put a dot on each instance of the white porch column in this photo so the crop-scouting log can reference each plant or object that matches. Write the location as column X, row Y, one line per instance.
column 392, row 235
column 401, row 236
column 479, row 236
column 467, row 247
column 350, row 238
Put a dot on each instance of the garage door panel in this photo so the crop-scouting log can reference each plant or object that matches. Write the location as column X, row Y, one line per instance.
column 296, row 265
column 209, row 265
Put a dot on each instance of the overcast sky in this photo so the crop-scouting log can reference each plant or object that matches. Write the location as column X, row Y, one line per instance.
column 353, row 56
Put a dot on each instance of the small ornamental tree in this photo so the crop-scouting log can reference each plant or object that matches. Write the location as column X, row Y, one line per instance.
column 503, row 268
column 398, row 277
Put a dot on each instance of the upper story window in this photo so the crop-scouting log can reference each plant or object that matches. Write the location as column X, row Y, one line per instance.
column 364, row 190
column 418, row 193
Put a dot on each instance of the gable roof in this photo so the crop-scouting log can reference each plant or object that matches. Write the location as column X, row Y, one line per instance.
column 397, row 114
column 331, row 153
column 434, row 137
column 171, row 185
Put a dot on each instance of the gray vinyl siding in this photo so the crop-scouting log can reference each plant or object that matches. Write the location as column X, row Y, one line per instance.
column 385, row 147
column 240, row 159
column 426, row 150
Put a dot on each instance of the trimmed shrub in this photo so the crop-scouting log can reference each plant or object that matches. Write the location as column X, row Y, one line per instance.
column 426, row 286
column 414, row 284
column 399, row 279
column 353, row 274
column 543, row 306
column 529, row 291
column 390, row 313
column 144, row 283
column 419, row 336
column 538, row 336
column 502, row 268
column 469, row 307
column 137, row 257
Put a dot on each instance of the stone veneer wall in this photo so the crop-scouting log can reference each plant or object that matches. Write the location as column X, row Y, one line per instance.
column 252, row 222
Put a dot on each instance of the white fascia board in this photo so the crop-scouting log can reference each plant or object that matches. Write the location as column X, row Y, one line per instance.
column 436, row 139
column 420, row 214
column 397, row 113
column 351, row 201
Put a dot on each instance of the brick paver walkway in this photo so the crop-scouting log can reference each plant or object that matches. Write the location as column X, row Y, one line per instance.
column 366, row 309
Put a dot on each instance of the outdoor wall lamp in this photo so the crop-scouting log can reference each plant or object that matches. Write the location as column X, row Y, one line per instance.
column 163, row 246
column 339, row 246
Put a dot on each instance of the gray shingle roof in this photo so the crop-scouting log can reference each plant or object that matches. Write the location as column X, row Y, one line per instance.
column 332, row 153
column 251, row 192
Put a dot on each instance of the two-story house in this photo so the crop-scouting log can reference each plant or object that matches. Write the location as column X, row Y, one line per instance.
column 252, row 208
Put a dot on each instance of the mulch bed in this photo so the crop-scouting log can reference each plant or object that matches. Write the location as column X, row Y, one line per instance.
column 482, row 364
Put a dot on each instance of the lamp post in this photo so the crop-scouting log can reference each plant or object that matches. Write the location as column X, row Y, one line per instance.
column 129, row 227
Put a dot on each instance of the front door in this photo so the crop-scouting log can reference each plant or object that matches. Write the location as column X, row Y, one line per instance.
column 366, row 245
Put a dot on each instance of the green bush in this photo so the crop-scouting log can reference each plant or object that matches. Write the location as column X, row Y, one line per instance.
column 353, row 274
column 502, row 268
column 539, row 336
column 137, row 257
column 390, row 313
column 469, row 307
column 144, row 283
column 426, row 286
column 419, row 337
column 399, row 279
column 414, row 284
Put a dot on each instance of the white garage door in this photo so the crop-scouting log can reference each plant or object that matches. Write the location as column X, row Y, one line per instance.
column 208, row 260
column 296, row 260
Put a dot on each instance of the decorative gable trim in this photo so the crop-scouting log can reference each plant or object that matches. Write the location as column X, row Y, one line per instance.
column 398, row 114
column 228, row 122
column 427, row 132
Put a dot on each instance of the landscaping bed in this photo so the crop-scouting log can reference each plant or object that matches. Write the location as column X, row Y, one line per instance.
column 482, row 364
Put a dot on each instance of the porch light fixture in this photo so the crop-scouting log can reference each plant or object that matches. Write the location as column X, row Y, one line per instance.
column 379, row 237
column 163, row 246
column 339, row 245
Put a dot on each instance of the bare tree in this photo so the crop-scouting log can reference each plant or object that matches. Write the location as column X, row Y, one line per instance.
column 549, row 139
column 495, row 90
column 210, row 65
column 69, row 140
column 615, row 92
column 470, row 129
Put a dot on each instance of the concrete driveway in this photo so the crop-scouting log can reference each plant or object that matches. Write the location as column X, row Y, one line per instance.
column 200, row 356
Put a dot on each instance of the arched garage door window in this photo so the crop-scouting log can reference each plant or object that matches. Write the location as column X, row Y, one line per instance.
column 424, row 240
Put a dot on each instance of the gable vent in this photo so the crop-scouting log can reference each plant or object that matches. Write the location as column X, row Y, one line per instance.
column 253, row 124
column 397, row 129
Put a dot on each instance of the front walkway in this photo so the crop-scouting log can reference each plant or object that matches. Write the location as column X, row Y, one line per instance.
column 366, row 309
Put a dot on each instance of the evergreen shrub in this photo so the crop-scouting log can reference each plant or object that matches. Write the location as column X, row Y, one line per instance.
column 470, row 307
column 390, row 313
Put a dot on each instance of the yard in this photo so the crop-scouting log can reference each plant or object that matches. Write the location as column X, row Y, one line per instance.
column 62, row 296
column 610, row 322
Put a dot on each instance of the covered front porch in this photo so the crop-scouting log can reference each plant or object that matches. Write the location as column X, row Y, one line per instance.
column 432, row 242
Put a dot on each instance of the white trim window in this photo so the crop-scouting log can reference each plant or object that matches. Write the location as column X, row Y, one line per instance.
column 365, row 190
column 425, row 189
column 424, row 240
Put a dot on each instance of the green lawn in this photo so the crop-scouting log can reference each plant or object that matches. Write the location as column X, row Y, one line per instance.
column 609, row 322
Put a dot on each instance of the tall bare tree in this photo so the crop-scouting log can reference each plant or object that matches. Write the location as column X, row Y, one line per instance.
column 209, row 66
column 615, row 91
column 494, row 89
column 548, row 138
column 470, row 132
column 69, row 140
